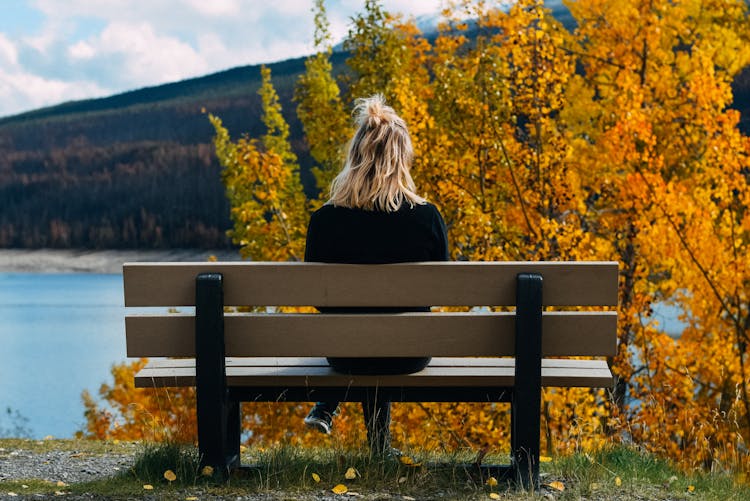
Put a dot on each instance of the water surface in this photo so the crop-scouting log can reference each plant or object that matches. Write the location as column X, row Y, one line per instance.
column 59, row 335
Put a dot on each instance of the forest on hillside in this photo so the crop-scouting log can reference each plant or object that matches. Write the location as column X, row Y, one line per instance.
column 137, row 170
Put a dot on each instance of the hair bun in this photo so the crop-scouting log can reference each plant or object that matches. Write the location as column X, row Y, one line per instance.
column 372, row 111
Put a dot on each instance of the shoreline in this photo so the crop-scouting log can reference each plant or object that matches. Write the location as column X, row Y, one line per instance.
column 97, row 261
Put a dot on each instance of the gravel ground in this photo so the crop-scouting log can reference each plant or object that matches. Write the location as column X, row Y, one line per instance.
column 65, row 467
column 60, row 466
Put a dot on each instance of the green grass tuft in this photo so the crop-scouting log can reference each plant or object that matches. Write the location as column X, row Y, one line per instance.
column 154, row 460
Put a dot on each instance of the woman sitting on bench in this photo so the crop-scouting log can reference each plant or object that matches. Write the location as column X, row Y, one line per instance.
column 374, row 216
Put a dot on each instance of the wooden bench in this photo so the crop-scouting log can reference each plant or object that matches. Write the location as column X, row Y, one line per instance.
column 235, row 357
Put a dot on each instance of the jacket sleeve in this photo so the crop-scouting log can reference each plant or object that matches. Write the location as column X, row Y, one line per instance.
column 311, row 242
column 441, row 232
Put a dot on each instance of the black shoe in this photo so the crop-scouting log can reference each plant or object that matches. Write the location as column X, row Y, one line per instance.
column 319, row 420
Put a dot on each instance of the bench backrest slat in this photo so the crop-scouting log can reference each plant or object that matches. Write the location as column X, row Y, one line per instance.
column 407, row 284
column 407, row 334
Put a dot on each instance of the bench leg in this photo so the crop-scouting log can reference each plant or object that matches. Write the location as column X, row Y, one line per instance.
column 218, row 417
column 527, row 393
column 377, row 414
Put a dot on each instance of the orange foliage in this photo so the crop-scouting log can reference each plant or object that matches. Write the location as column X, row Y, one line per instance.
column 611, row 142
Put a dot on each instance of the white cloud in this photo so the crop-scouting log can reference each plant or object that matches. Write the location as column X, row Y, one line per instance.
column 8, row 52
column 148, row 57
column 81, row 50
column 20, row 91
column 87, row 48
column 216, row 7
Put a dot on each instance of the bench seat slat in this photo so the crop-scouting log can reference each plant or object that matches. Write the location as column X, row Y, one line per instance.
column 407, row 334
column 247, row 372
column 321, row 362
column 592, row 283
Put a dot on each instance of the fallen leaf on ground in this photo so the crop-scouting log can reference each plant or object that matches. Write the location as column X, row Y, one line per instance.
column 191, row 498
column 12, row 494
column 60, row 483
column 339, row 489
column 60, row 493
column 169, row 475
column 315, row 477
column 618, row 481
column 207, row 471
column 558, row 486
column 77, row 455
column 401, row 480
column 545, row 459
column 409, row 498
column 691, row 488
column 408, row 461
column 148, row 487
column 351, row 474
column 494, row 495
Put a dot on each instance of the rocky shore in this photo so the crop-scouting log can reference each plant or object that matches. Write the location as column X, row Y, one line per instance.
column 96, row 261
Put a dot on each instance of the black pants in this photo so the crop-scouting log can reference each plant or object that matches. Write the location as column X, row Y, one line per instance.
column 375, row 409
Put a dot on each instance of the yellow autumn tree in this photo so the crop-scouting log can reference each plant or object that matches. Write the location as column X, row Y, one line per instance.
column 662, row 147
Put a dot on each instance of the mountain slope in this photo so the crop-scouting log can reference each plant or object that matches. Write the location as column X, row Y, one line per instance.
column 137, row 169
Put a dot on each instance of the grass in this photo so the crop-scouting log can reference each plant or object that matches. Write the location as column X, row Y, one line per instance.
column 295, row 473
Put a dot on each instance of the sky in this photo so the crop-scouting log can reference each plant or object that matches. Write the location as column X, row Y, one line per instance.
column 53, row 51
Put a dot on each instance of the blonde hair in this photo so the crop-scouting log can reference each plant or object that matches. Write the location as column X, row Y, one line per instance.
column 376, row 172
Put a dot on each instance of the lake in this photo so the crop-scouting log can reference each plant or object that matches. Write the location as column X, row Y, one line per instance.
column 59, row 335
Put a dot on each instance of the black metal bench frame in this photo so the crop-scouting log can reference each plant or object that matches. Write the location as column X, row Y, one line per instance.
column 218, row 406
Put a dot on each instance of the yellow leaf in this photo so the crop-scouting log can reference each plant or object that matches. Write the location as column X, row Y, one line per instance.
column 691, row 488
column 191, row 498
column 60, row 483
column 594, row 486
column 408, row 461
column 207, row 471
column 350, row 474
column 494, row 495
column 242, row 447
column 49, row 437
column 492, row 481
column 169, row 475
column 339, row 489
column 558, row 486
column 545, row 459
column 59, row 493
column 618, row 481
column 148, row 487
column 316, row 477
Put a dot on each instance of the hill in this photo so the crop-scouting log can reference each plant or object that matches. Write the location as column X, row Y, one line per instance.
column 137, row 169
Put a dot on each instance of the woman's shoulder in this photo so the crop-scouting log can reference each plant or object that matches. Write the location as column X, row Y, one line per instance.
column 426, row 209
